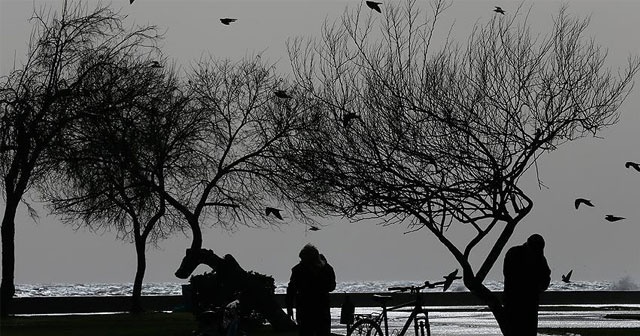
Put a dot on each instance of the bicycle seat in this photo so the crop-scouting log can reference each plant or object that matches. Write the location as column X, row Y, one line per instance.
column 382, row 299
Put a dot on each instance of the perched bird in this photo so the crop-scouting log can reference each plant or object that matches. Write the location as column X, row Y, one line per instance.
column 448, row 279
column 567, row 278
column 374, row 5
column 633, row 165
column 499, row 10
column 348, row 117
column 155, row 64
column 314, row 228
column 584, row 201
column 282, row 94
column 613, row 218
column 227, row 21
column 274, row 211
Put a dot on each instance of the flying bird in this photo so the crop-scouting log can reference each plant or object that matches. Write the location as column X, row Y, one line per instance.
column 613, row 218
column 499, row 10
column 227, row 21
column 348, row 117
column 131, row 2
column 633, row 165
column 448, row 279
column 282, row 94
column 314, row 228
column 374, row 5
column 567, row 278
column 584, row 201
column 155, row 64
column 274, row 211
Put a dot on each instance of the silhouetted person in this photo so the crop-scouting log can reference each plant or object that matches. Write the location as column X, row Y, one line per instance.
column 526, row 275
column 311, row 281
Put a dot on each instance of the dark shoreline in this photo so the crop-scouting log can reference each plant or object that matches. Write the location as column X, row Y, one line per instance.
column 183, row 324
column 103, row 304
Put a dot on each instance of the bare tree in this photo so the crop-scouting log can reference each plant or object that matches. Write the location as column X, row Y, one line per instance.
column 94, row 187
column 433, row 134
column 39, row 100
column 230, row 174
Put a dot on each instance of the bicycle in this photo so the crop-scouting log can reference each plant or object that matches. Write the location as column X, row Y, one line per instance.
column 371, row 325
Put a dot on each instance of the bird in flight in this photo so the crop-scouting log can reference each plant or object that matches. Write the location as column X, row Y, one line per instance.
column 274, row 211
column 584, row 201
column 374, row 5
column 282, row 94
column 613, row 218
column 633, row 165
column 348, row 117
column 567, row 278
column 499, row 10
column 155, row 64
column 448, row 279
column 227, row 21
column 314, row 228
column 131, row 2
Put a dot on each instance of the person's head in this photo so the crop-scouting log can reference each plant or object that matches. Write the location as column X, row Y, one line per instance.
column 309, row 254
column 535, row 242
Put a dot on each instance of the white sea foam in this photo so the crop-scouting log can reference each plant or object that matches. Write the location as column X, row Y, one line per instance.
column 172, row 288
column 625, row 283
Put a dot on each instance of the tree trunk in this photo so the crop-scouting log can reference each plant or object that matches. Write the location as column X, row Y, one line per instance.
column 491, row 300
column 499, row 314
column 7, row 287
column 196, row 240
column 136, row 297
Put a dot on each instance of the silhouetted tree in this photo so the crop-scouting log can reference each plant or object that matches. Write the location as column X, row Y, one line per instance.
column 39, row 99
column 431, row 134
column 232, row 172
column 94, row 187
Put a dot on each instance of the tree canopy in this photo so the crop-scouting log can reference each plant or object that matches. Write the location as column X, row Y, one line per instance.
column 432, row 135
column 55, row 86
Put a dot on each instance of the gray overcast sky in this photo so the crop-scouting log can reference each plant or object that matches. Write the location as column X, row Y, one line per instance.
column 47, row 251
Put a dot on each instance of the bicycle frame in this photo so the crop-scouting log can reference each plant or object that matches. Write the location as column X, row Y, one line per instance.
column 375, row 324
column 413, row 317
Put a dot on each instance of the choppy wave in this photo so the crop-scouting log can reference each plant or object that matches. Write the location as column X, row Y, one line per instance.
column 625, row 283
column 95, row 289
column 171, row 288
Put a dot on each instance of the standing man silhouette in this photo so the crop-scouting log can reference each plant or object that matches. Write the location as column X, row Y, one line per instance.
column 311, row 281
column 526, row 275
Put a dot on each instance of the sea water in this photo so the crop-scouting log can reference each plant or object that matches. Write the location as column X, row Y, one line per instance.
column 476, row 321
column 175, row 288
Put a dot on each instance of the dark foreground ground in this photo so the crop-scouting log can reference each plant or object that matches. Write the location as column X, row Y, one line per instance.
column 181, row 324
column 590, row 332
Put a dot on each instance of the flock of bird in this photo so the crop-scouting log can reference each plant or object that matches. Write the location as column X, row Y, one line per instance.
column 587, row 202
column 348, row 117
column 610, row 218
column 374, row 5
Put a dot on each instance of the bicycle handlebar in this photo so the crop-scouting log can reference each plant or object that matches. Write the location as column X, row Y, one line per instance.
column 412, row 289
column 448, row 280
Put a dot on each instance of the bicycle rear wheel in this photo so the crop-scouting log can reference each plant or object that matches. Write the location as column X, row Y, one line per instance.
column 365, row 327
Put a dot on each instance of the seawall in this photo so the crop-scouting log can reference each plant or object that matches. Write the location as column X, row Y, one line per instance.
column 105, row 304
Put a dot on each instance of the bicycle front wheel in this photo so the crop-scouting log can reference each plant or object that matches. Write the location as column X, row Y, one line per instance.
column 365, row 327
